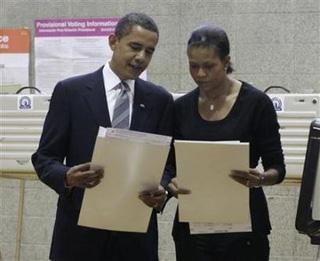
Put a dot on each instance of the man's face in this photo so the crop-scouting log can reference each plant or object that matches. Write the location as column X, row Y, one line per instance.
column 133, row 52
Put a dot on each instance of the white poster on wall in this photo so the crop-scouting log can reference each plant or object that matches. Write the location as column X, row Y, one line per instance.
column 70, row 47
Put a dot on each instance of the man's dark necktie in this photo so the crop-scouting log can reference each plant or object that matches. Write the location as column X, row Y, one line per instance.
column 121, row 109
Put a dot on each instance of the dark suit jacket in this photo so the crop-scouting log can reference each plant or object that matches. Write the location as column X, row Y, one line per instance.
column 78, row 107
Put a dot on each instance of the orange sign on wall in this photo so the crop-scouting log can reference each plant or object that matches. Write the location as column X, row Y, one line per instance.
column 14, row 41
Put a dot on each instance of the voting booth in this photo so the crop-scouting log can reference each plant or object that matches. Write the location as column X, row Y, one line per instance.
column 22, row 118
column 295, row 113
column 308, row 212
column 21, row 121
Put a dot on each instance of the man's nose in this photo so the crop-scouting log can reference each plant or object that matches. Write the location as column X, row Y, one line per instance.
column 201, row 73
column 141, row 55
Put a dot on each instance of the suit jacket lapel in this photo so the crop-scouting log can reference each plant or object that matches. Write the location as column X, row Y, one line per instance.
column 95, row 96
column 142, row 106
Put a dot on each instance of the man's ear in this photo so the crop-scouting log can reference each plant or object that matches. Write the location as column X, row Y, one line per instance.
column 113, row 39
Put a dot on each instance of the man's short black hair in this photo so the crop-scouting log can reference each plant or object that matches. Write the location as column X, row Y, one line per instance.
column 126, row 23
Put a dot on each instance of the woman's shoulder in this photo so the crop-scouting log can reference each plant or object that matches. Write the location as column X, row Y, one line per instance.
column 187, row 97
column 253, row 92
column 257, row 100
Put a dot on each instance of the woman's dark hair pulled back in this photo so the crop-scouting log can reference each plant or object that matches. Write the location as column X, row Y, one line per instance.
column 211, row 36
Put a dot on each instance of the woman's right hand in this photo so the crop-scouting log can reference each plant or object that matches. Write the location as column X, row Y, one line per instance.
column 175, row 190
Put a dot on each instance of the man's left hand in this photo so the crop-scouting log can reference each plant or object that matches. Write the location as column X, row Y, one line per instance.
column 154, row 198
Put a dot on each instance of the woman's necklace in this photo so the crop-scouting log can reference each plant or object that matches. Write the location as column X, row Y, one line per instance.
column 211, row 101
column 205, row 101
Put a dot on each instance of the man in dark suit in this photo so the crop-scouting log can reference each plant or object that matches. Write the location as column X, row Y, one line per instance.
column 78, row 107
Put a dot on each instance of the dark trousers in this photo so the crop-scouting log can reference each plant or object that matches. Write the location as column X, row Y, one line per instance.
column 122, row 246
column 223, row 247
column 76, row 243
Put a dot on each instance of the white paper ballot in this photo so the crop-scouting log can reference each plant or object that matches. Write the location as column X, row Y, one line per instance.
column 204, row 168
column 133, row 162
column 212, row 228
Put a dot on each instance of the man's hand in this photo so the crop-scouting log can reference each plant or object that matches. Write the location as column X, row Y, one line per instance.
column 175, row 190
column 154, row 198
column 84, row 175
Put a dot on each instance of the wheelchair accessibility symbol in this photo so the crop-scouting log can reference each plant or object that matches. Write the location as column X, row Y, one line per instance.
column 25, row 103
column 277, row 103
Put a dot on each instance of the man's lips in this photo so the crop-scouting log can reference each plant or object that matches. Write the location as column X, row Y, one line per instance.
column 136, row 67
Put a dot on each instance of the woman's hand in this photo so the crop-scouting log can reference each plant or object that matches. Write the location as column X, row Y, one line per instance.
column 252, row 178
column 175, row 190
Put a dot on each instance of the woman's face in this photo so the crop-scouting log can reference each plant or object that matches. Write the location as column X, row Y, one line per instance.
column 206, row 67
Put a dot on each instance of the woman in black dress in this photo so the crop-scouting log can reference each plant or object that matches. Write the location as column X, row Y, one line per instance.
column 223, row 108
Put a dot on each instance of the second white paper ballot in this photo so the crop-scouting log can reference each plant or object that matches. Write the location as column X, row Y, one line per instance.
column 204, row 168
column 133, row 162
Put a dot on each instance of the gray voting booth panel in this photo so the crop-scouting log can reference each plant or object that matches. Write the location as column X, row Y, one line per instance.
column 21, row 128
column 308, row 211
column 21, row 118
column 295, row 114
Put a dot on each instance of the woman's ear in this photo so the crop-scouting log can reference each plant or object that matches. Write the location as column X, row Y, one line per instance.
column 227, row 62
